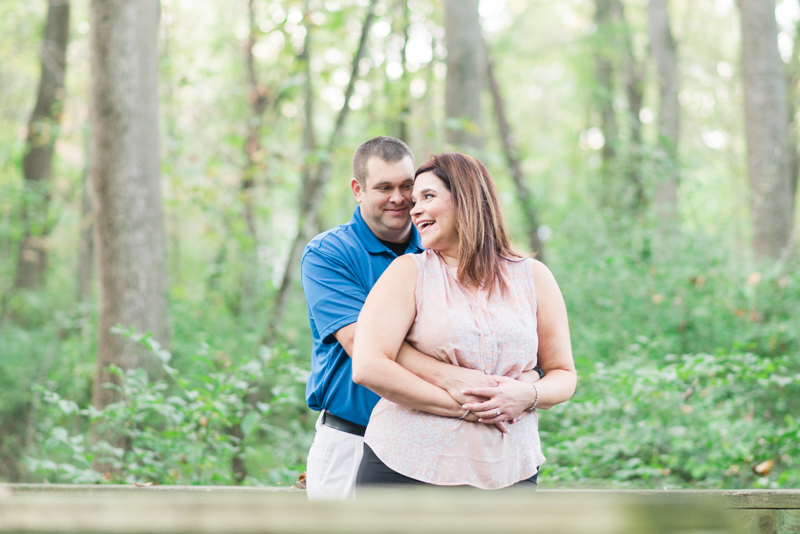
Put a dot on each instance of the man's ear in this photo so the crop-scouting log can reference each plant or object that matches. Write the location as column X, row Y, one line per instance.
column 356, row 187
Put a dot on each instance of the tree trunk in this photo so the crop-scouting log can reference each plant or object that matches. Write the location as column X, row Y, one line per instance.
column 86, row 251
column 309, row 139
column 510, row 151
column 313, row 194
column 257, row 98
column 464, row 80
column 664, row 52
column 401, row 128
column 768, row 150
column 634, row 90
column 792, row 94
column 125, row 177
column 37, row 163
column 604, row 96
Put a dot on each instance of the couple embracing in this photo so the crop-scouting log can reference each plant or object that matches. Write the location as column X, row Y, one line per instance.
column 435, row 342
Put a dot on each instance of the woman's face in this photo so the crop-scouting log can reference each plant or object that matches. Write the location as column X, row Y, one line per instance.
column 433, row 215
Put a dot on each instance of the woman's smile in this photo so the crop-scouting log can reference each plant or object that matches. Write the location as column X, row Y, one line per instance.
column 434, row 215
column 422, row 225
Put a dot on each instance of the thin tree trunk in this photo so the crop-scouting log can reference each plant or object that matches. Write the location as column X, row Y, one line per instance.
column 604, row 66
column 634, row 90
column 767, row 133
column 37, row 163
column 664, row 52
column 465, row 76
column 257, row 98
column 171, row 113
column 86, row 251
column 510, row 151
column 313, row 196
column 792, row 94
column 125, row 177
column 405, row 109
column 309, row 139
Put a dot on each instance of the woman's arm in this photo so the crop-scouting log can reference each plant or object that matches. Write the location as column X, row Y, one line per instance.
column 385, row 319
column 555, row 356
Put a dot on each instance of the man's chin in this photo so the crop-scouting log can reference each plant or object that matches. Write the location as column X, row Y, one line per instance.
column 397, row 224
column 397, row 221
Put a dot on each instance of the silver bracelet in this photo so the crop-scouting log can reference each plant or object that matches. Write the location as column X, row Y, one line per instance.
column 465, row 414
column 536, row 399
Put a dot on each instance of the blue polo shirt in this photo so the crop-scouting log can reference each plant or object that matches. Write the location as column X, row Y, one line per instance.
column 339, row 268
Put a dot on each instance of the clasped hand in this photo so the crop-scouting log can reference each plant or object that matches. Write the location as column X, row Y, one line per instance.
column 492, row 400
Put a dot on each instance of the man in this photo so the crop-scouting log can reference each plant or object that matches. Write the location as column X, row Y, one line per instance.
column 339, row 267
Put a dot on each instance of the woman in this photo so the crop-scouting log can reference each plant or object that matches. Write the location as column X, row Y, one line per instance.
column 472, row 301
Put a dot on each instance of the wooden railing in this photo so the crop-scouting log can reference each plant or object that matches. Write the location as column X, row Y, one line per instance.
column 51, row 508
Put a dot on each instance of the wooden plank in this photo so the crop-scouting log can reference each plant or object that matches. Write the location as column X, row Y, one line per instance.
column 767, row 521
column 757, row 499
column 93, row 489
column 379, row 511
column 789, row 522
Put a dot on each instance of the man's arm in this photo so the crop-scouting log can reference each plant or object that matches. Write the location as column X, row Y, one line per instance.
column 345, row 337
column 450, row 378
column 514, row 396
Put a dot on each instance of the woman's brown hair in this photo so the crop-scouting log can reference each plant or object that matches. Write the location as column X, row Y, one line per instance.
column 482, row 235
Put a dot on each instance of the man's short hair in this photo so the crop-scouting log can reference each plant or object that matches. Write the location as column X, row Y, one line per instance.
column 388, row 149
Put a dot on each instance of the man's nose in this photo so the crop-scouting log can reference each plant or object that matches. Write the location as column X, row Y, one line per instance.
column 397, row 196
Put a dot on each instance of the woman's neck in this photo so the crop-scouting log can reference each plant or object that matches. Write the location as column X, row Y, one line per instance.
column 449, row 259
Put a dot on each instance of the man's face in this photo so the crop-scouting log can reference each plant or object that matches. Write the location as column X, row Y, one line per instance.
column 385, row 198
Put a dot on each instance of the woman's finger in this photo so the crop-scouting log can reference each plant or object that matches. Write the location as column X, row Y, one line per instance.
column 481, row 406
column 482, row 392
column 503, row 419
column 492, row 413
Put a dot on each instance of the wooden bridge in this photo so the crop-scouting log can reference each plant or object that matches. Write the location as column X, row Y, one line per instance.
column 110, row 509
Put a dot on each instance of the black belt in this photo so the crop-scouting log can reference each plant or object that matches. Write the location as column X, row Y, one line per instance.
column 330, row 420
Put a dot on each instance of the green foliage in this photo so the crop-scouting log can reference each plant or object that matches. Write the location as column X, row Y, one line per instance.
column 698, row 420
column 185, row 429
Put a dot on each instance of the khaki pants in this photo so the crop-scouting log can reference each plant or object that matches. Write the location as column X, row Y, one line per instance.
column 333, row 464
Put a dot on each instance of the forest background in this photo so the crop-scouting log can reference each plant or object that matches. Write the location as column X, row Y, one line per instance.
column 153, row 328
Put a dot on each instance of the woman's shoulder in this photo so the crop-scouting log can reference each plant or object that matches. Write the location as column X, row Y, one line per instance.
column 404, row 263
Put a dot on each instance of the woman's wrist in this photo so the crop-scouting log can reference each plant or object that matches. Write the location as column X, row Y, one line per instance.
column 534, row 400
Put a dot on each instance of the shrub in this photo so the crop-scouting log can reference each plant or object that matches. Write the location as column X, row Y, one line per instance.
column 699, row 420
column 183, row 429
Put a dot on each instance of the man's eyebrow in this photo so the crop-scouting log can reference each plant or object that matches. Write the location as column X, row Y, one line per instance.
column 387, row 183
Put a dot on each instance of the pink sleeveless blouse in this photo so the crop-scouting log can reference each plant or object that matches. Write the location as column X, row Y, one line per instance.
column 495, row 334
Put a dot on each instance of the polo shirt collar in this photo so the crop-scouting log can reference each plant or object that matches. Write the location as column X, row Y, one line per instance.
column 371, row 243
